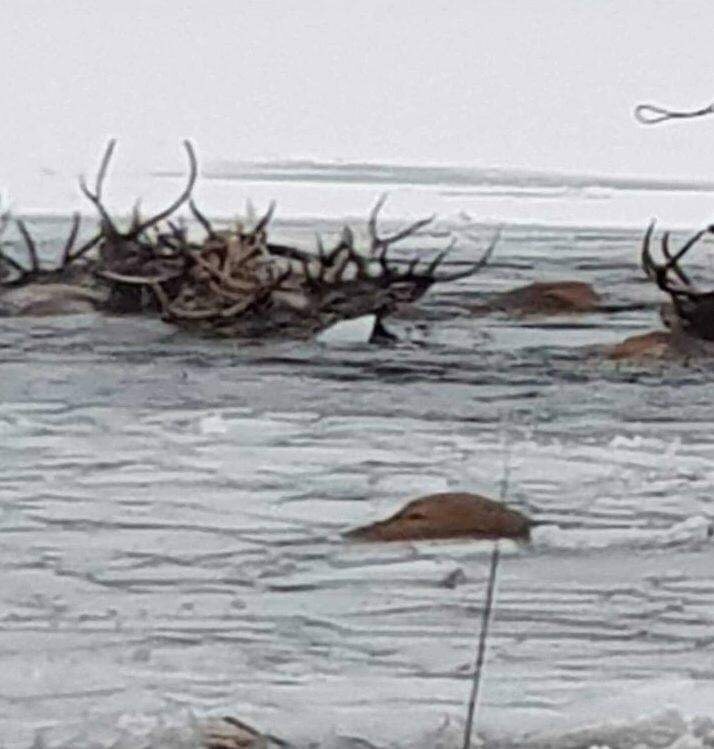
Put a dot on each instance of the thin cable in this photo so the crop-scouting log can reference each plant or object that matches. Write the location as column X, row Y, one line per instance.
column 481, row 655
column 488, row 606
column 651, row 114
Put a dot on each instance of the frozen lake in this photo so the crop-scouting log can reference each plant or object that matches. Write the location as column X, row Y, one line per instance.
column 171, row 510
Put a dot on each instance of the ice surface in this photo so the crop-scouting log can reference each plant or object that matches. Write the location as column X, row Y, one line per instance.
column 171, row 511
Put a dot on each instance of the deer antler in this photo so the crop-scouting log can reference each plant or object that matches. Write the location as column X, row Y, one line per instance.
column 182, row 198
column 239, row 272
column 35, row 270
column 230, row 274
column 265, row 219
column 31, row 247
column 8, row 260
column 344, row 254
column 659, row 273
column 136, row 257
column 96, row 195
column 138, row 227
column 694, row 309
column 201, row 218
column 472, row 269
column 381, row 244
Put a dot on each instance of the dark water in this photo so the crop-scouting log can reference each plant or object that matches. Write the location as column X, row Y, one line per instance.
column 171, row 510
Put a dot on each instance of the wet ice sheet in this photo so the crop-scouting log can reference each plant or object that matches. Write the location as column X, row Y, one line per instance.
column 171, row 511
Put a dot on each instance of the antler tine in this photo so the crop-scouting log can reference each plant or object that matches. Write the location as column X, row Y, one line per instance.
column 265, row 220
column 483, row 260
column 4, row 221
column 135, row 216
column 411, row 267
column 320, row 247
column 103, row 167
column 312, row 282
column 347, row 238
column 435, row 263
column 382, row 258
column 174, row 240
column 278, row 282
column 30, row 244
column 161, row 296
column 334, row 253
column 408, row 230
column 106, row 218
column 372, row 221
column 347, row 243
column 480, row 263
column 96, row 196
column 111, row 275
column 249, row 211
column 672, row 261
column 178, row 232
column 85, row 248
column 686, row 247
column 648, row 264
column 167, row 242
column 201, row 218
column 12, row 263
column 71, row 239
column 182, row 198
column 658, row 273
column 339, row 273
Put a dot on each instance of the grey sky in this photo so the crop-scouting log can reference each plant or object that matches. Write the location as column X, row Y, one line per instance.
column 547, row 85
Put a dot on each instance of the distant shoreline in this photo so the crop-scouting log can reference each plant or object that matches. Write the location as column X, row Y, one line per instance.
column 393, row 174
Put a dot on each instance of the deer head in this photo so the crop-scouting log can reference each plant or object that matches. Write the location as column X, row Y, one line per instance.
column 14, row 274
column 447, row 515
column 344, row 282
column 134, row 256
column 238, row 272
column 691, row 310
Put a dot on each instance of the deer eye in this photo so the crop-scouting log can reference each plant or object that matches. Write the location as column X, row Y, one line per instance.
column 416, row 516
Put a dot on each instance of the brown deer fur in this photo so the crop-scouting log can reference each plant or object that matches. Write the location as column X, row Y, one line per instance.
column 544, row 298
column 447, row 515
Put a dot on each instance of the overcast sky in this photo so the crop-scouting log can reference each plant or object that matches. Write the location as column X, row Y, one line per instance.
column 544, row 84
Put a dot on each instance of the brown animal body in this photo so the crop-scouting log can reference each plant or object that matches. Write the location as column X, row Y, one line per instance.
column 657, row 344
column 33, row 290
column 44, row 299
column 544, row 298
column 689, row 315
column 677, row 344
column 448, row 515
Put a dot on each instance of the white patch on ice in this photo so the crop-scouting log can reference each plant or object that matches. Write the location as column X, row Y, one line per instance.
column 348, row 332
column 687, row 742
column 693, row 529
column 660, row 730
column 213, row 424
